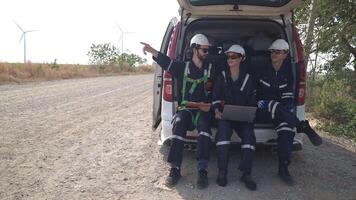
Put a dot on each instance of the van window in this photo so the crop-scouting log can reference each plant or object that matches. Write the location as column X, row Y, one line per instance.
column 269, row 3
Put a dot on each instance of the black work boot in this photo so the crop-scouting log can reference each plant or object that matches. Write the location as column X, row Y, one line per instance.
column 173, row 177
column 249, row 183
column 284, row 173
column 202, row 179
column 314, row 138
column 222, row 178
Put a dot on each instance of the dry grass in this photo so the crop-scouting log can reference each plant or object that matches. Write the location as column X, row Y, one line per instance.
column 18, row 72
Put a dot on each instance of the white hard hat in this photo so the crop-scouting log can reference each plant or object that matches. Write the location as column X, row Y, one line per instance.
column 199, row 39
column 236, row 49
column 279, row 44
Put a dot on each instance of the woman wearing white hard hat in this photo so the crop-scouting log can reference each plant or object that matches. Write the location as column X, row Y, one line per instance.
column 234, row 86
column 194, row 108
column 275, row 91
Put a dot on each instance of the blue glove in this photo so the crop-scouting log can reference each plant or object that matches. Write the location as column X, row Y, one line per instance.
column 262, row 104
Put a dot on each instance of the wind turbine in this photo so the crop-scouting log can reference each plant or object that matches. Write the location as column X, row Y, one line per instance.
column 24, row 40
column 121, row 38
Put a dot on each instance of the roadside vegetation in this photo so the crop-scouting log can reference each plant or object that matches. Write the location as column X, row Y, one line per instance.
column 328, row 30
column 19, row 72
column 104, row 60
column 332, row 99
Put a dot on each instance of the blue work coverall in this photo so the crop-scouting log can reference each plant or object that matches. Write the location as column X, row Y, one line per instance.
column 277, row 88
column 239, row 92
column 188, row 118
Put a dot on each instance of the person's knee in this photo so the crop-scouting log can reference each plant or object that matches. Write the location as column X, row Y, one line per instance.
column 247, row 136
column 224, row 126
column 204, row 123
column 180, row 124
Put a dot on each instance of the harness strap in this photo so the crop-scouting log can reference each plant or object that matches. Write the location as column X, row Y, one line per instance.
column 194, row 83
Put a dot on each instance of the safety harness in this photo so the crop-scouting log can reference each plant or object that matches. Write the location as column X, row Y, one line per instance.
column 194, row 84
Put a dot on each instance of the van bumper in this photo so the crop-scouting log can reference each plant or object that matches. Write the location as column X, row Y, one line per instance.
column 265, row 136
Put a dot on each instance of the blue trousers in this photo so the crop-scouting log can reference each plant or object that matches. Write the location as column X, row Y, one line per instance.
column 183, row 121
column 285, row 122
column 223, row 140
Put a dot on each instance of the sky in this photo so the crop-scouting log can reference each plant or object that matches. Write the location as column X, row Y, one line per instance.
column 65, row 29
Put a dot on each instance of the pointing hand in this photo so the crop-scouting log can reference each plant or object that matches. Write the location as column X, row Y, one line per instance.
column 149, row 49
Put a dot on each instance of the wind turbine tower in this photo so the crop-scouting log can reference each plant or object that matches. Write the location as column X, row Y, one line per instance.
column 24, row 40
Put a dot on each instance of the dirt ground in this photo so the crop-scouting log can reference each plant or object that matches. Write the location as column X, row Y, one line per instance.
column 92, row 139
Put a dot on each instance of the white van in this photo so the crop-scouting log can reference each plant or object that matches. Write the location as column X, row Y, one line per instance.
column 254, row 24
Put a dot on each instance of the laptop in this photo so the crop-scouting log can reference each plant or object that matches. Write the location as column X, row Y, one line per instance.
column 239, row 113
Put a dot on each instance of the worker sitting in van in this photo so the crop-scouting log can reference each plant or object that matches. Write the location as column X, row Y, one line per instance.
column 234, row 86
column 193, row 111
column 276, row 99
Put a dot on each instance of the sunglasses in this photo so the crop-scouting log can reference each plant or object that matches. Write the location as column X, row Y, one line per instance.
column 204, row 50
column 235, row 56
column 274, row 51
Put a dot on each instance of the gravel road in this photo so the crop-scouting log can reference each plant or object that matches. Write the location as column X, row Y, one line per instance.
column 92, row 139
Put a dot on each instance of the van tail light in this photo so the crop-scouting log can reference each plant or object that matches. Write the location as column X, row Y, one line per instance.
column 167, row 87
column 167, row 77
column 301, row 84
column 302, row 68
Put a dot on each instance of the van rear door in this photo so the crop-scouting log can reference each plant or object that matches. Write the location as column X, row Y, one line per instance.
column 265, row 8
column 157, row 82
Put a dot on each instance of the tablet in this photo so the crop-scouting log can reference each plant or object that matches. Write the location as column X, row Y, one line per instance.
column 239, row 113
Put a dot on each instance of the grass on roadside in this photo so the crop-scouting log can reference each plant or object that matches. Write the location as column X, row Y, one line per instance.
column 18, row 72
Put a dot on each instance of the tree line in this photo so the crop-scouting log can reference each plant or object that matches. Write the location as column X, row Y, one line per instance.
column 328, row 32
column 109, row 54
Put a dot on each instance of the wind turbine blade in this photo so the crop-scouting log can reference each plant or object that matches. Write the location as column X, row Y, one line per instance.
column 30, row 31
column 21, row 38
column 19, row 26
column 118, row 26
column 129, row 32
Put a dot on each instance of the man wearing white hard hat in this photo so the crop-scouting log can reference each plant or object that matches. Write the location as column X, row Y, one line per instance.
column 193, row 110
column 276, row 100
column 234, row 86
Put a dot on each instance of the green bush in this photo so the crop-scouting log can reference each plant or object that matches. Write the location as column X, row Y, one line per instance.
column 54, row 65
column 332, row 97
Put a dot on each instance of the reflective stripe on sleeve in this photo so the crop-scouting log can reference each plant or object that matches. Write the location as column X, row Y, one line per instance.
column 286, row 97
column 265, row 83
column 170, row 65
column 215, row 102
column 244, row 83
column 223, row 143
column 283, row 86
column 281, row 124
column 247, row 146
column 178, row 137
column 287, row 93
column 269, row 106
column 274, row 109
column 205, row 134
column 284, row 129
